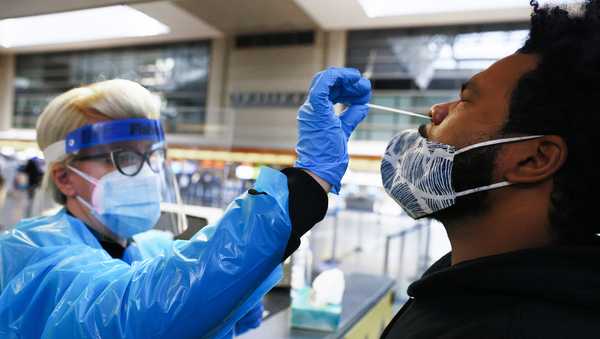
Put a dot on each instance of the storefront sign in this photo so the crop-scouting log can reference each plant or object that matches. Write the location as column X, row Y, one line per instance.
column 267, row 99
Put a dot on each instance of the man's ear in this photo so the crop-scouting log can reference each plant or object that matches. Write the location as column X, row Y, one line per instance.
column 535, row 160
column 61, row 178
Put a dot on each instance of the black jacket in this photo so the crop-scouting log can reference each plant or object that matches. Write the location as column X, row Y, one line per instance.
column 551, row 292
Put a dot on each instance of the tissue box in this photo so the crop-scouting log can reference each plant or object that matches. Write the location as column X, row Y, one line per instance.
column 306, row 315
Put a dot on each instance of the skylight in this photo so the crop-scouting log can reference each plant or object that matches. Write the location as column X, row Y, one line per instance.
column 78, row 26
column 382, row 8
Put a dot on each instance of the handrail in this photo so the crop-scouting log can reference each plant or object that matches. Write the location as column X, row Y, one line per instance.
column 402, row 234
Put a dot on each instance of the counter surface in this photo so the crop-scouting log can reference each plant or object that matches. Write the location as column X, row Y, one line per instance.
column 362, row 293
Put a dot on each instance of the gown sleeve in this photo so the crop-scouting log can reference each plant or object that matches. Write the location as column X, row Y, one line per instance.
column 200, row 288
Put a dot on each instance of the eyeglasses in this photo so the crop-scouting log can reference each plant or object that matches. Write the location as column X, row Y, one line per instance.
column 130, row 162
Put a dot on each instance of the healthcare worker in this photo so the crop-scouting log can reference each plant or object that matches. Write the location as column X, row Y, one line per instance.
column 97, row 269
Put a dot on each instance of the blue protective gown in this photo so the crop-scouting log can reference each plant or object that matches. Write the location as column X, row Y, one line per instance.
column 56, row 281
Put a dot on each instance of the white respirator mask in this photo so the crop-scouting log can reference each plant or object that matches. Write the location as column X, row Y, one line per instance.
column 417, row 173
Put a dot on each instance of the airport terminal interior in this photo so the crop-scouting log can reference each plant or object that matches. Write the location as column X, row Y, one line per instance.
column 231, row 76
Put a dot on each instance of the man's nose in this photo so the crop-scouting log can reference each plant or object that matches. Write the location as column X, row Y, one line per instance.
column 439, row 112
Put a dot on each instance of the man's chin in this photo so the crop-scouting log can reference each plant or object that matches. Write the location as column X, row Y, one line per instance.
column 465, row 208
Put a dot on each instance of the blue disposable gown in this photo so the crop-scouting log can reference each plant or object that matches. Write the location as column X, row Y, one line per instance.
column 56, row 281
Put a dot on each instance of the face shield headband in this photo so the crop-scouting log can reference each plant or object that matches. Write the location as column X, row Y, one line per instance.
column 105, row 133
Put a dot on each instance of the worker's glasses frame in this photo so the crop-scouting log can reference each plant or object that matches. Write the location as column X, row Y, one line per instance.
column 130, row 162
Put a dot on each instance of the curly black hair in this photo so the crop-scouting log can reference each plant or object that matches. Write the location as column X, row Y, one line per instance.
column 560, row 97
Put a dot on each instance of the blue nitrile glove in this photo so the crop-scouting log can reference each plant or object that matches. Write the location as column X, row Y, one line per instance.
column 251, row 320
column 322, row 136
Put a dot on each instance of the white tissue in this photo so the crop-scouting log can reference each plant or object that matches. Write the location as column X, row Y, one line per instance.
column 328, row 287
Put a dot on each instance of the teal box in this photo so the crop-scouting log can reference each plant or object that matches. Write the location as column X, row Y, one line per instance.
column 306, row 315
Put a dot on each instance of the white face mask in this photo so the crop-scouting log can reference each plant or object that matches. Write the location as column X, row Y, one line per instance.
column 126, row 205
column 417, row 173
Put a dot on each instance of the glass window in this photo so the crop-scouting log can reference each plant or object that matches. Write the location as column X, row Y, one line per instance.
column 415, row 68
column 384, row 100
column 382, row 118
column 178, row 73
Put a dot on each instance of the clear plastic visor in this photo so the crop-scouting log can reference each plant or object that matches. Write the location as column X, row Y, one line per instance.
column 131, row 159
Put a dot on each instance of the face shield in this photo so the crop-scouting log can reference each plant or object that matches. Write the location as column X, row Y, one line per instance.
column 124, row 161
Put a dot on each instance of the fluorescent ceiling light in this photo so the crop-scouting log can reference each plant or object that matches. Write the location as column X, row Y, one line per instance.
column 381, row 8
column 78, row 26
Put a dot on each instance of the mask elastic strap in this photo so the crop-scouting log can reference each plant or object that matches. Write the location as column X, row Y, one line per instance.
column 484, row 188
column 495, row 142
column 85, row 203
column 85, row 176
column 488, row 143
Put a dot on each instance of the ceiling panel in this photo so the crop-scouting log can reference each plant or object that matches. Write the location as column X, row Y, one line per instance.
column 244, row 16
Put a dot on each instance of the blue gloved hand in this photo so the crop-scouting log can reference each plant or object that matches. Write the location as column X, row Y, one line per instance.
column 322, row 136
column 251, row 320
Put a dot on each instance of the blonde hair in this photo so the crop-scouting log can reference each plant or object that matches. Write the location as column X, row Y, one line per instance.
column 105, row 100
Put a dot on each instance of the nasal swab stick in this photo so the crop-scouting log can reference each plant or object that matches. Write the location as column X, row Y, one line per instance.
column 399, row 111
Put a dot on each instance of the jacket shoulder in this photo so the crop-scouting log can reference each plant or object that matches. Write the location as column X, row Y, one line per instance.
column 548, row 320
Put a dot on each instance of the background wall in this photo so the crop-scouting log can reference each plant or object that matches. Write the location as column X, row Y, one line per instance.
column 7, row 69
column 278, row 70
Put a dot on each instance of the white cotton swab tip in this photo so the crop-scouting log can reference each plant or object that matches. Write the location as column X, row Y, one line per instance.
column 399, row 111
